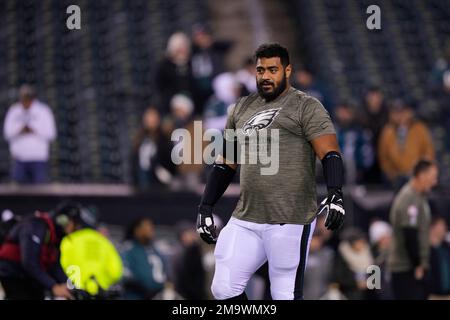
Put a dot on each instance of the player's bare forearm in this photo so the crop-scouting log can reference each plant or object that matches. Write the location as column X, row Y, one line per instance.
column 324, row 144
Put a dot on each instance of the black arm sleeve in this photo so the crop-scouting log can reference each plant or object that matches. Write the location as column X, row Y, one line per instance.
column 412, row 245
column 230, row 151
column 333, row 170
column 31, row 238
column 219, row 179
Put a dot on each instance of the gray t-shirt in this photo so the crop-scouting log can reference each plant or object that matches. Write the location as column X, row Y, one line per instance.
column 409, row 210
column 289, row 195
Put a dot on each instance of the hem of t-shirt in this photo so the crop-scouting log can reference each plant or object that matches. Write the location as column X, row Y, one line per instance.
column 273, row 222
column 322, row 133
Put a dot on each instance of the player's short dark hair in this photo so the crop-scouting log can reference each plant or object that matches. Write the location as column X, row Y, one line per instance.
column 135, row 224
column 271, row 50
column 27, row 91
column 437, row 219
column 422, row 166
column 352, row 234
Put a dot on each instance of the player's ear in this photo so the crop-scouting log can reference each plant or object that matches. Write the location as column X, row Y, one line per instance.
column 288, row 71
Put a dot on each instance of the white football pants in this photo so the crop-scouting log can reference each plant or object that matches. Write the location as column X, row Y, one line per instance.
column 243, row 247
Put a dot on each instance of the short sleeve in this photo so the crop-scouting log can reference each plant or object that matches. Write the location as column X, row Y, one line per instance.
column 230, row 117
column 315, row 120
column 230, row 126
column 230, row 139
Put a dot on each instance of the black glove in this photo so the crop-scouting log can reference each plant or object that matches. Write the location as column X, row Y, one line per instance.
column 205, row 224
column 333, row 205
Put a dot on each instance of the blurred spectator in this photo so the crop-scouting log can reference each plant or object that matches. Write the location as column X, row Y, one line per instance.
column 403, row 142
column 7, row 221
column 330, row 238
column 440, row 75
column 440, row 85
column 181, row 117
column 246, row 76
column 174, row 74
column 354, row 142
column 305, row 81
column 226, row 91
column 104, row 230
column 89, row 259
column 351, row 263
column 151, row 162
column 208, row 56
column 29, row 128
column 333, row 293
column 410, row 218
column 380, row 235
column 374, row 117
column 439, row 276
column 319, row 268
column 189, row 271
column 145, row 271
column 181, row 108
column 209, row 261
column 29, row 258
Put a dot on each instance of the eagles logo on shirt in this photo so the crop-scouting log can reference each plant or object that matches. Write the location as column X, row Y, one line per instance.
column 260, row 120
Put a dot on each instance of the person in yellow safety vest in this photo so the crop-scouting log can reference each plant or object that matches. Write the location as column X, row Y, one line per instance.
column 89, row 259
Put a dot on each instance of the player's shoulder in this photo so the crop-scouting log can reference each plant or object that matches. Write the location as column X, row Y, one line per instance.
column 243, row 102
column 405, row 196
column 305, row 103
column 305, row 100
column 246, row 100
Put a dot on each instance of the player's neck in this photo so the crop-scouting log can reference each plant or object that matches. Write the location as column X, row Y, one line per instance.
column 288, row 86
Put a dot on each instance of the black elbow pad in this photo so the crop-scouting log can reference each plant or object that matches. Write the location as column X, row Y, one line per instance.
column 333, row 170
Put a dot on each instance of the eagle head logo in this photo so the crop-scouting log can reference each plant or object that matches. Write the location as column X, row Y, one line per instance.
column 260, row 120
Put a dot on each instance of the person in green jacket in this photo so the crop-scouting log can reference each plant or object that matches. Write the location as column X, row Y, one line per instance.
column 145, row 270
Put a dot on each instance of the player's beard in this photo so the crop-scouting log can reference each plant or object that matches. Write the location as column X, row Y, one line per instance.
column 277, row 90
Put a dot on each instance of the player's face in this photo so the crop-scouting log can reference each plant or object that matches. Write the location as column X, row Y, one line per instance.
column 151, row 119
column 374, row 101
column 26, row 102
column 271, row 77
column 440, row 229
column 359, row 245
column 70, row 227
column 429, row 178
column 146, row 231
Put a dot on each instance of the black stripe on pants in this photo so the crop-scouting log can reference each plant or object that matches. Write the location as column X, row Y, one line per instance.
column 300, row 275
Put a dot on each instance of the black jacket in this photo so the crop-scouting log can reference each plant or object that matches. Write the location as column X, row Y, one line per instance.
column 31, row 235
